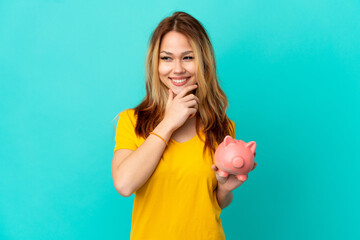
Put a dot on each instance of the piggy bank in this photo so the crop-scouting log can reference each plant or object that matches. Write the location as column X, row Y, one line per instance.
column 235, row 157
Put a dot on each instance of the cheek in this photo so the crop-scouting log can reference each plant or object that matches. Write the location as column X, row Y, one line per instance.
column 164, row 69
column 191, row 68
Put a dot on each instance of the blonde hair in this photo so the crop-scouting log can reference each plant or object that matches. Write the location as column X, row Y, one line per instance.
column 213, row 101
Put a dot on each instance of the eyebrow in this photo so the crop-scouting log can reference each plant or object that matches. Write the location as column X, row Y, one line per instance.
column 186, row 52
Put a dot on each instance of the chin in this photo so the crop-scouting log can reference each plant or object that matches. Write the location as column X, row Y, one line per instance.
column 176, row 91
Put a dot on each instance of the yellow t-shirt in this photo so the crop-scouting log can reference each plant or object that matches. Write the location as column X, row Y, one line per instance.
column 179, row 199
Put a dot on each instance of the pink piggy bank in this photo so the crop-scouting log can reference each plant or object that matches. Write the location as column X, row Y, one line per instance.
column 235, row 157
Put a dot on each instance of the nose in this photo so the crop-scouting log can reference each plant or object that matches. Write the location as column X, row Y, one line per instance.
column 179, row 68
column 238, row 162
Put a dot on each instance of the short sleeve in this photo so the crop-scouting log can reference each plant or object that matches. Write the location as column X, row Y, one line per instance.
column 232, row 131
column 125, row 131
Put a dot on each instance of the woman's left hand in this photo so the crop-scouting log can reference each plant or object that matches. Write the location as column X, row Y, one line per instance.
column 228, row 183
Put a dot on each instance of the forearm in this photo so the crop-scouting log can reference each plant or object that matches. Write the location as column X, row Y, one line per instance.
column 224, row 197
column 136, row 169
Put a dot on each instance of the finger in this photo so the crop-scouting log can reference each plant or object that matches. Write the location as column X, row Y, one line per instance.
column 254, row 166
column 221, row 179
column 185, row 90
column 197, row 99
column 190, row 97
column 192, row 103
column 193, row 108
column 171, row 96
column 218, row 177
column 192, row 112
column 214, row 167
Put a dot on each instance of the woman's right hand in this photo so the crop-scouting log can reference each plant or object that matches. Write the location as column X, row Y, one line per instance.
column 180, row 108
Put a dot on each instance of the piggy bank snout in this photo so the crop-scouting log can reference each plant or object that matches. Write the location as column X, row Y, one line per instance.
column 238, row 162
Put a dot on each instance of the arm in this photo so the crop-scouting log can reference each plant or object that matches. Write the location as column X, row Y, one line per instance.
column 224, row 197
column 131, row 169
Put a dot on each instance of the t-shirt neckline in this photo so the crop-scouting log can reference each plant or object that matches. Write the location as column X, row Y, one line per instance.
column 190, row 140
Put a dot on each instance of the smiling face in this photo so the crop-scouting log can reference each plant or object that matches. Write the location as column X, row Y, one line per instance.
column 176, row 62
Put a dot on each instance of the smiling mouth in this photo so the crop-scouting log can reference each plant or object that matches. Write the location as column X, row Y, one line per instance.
column 179, row 81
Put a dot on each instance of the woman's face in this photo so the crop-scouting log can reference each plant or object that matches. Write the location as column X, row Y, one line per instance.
column 176, row 63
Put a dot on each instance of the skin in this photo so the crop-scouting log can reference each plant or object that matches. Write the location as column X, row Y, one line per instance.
column 230, row 182
column 177, row 60
column 225, row 187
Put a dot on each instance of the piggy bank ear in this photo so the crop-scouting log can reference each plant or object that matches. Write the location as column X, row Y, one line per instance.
column 252, row 146
column 228, row 140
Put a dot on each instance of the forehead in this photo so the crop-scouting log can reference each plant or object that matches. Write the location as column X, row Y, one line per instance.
column 175, row 42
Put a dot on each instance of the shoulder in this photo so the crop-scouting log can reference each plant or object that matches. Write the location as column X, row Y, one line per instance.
column 232, row 123
column 232, row 128
column 127, row 115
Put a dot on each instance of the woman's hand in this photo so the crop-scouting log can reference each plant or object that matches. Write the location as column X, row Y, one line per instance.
column 230, row 182
column 181, row 108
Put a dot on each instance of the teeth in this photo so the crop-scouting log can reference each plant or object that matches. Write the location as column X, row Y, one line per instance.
column 179, row 81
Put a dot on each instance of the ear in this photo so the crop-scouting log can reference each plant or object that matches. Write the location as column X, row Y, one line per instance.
column 252, row 146
column 228, row 140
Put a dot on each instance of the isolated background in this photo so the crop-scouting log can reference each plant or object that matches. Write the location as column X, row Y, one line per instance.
column 290, row 69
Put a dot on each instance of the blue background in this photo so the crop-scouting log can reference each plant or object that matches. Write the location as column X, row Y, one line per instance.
column 290, row 69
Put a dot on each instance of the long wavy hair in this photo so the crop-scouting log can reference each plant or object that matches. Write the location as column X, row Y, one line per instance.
column 213, row 101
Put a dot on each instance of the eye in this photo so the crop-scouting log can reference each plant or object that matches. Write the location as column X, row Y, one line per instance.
column 165, row 58
column 188, row 57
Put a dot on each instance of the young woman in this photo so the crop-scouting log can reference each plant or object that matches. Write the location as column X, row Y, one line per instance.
column 165, row 146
